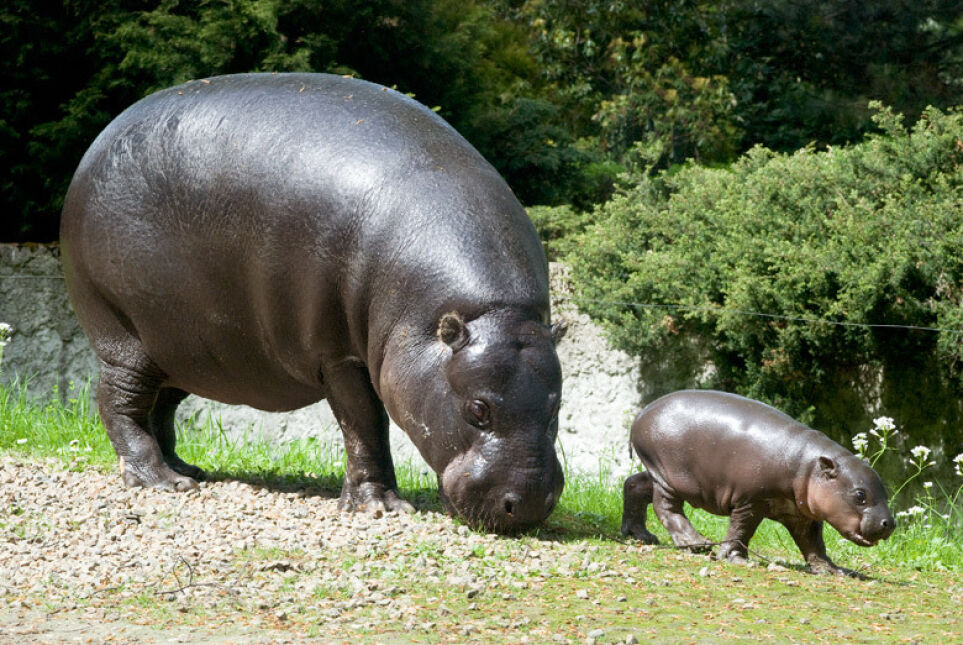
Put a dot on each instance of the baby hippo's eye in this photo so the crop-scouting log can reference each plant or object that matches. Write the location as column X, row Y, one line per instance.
column 477, row 413
column 860, row 497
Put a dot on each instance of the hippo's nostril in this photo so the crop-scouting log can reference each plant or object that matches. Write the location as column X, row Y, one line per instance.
column 887, row 523
column 510, row 502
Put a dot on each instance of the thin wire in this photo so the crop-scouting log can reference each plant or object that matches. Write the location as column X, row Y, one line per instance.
column 31, row 277
column 644, row 305
column 759, row 314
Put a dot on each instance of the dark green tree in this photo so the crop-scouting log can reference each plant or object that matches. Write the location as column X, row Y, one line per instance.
column 69, row 68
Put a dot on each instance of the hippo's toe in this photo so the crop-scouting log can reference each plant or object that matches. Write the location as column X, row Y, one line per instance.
column 372, row 498
column 638, row 531
column 160, row 477
column 181, row 467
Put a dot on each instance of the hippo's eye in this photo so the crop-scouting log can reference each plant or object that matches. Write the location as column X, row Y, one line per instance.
column 860, row 497
column 478, row 413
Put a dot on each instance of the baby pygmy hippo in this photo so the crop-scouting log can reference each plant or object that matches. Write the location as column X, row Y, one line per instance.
column 734, row 456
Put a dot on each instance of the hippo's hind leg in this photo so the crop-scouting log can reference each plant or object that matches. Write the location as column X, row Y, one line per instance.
column 743, row 522
column 637, row 495
column 125, row 396
column 161, row 423
column 670, row 511
column 369, row 478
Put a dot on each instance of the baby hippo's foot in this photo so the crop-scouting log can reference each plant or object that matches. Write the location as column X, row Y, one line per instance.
column 696, row 543
column 734, row 552
column 634, row 527
column 373, row 498
column 153, row 475
column 826, row 567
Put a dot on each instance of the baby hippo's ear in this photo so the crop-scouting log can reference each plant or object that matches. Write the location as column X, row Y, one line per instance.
column 558, row 330
column 827, row 468
column 452, row 331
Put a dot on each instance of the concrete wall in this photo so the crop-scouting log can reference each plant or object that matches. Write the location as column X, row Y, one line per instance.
column 600, row 389
column 48, row 348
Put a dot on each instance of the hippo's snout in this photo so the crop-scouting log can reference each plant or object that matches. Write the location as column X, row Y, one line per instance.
column 876, row 525
column 516, row 512
column 501, row 502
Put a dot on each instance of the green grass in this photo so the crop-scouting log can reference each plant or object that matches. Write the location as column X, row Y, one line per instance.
column 931, row 540
column 911, row 589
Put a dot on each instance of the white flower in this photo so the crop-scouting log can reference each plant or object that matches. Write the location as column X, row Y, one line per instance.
column 927, row 484
column 911, row 511
column 20, row 442
column 920, row 453
column 958, row 464
column 883, row 424
column 860, row 442
column 6, row 331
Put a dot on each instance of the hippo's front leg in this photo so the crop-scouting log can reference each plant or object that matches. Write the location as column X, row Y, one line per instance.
column 743, row 522
column 369, row 477
column 808, row 536
column 669, row 509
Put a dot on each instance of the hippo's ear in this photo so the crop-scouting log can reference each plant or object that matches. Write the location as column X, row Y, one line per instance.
column 452, row 331
column 558, row 330
column 827, row 468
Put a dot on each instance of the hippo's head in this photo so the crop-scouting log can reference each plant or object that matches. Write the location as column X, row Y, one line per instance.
column 485, row 417
column 848, row 494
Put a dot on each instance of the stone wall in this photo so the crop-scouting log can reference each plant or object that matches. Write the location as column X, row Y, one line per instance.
column 48, row 349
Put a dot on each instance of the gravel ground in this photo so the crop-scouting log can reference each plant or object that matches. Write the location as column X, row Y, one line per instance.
column 82, row 557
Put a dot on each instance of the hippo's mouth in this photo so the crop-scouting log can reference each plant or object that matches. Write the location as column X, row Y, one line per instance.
column 856, row 538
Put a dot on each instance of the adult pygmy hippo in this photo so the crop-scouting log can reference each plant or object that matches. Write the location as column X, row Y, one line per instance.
column 278, row 239
column 734, row 456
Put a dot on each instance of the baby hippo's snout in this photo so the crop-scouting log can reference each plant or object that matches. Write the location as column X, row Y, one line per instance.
column 878, row 524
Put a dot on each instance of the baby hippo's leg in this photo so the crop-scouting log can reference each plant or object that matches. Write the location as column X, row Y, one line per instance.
column 669, row 510
column 808, row 536
column 637, row 495
column 743, row 523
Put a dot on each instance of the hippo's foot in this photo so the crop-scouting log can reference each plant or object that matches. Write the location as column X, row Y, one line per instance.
column 181, row 467
column 161, row 476
column 372, row 498
column 693, row 545
column 734, row 552
column 825, row 567
column 634, row 528
column 733, row 557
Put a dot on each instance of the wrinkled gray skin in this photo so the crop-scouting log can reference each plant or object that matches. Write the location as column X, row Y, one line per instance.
column 733, row 456
column 278, row 239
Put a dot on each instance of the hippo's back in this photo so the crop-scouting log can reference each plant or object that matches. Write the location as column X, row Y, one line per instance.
column 241, row 228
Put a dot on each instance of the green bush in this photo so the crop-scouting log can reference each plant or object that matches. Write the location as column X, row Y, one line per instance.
column 556, row 225
column 762, row 278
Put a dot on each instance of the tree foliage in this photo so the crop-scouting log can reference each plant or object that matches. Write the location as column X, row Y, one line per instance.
column 785, row 272
column 70, row 68
column 561, row 96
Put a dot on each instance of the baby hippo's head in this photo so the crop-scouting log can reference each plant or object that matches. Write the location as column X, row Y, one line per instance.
column 848, row 494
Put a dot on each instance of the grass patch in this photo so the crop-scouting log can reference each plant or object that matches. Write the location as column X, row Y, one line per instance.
column 590, row 584
column 930, row 536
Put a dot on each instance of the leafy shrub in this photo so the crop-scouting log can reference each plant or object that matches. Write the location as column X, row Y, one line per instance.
column 762, row 278
column 556, row 225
